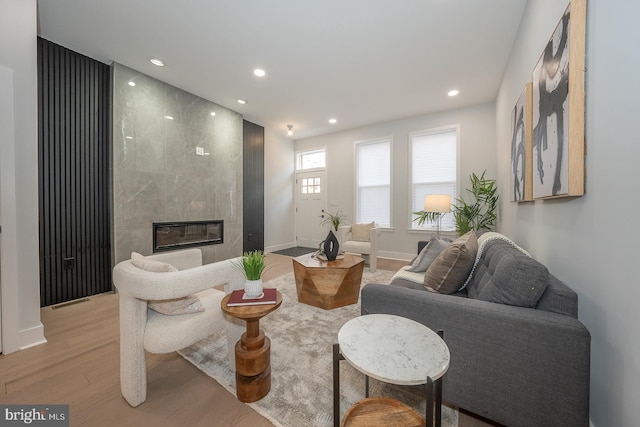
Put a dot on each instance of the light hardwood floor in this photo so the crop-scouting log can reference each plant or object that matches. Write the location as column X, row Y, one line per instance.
column 79, row 366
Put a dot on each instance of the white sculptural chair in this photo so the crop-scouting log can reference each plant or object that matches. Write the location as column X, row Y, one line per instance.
column 369, row 248
column 144, row 329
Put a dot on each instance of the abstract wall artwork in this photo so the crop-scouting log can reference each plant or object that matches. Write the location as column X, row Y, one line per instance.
column 558, row 109
column 521, row 147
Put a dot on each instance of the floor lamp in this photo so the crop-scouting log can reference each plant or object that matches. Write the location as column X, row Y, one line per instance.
column 440, row 204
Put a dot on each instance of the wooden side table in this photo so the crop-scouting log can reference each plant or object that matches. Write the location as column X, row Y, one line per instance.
column 253, row 350
column 395, row 350
column 383, row 412
column 328, row 284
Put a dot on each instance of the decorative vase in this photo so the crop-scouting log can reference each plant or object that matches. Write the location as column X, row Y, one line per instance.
column 331, row 246
column 253, row 288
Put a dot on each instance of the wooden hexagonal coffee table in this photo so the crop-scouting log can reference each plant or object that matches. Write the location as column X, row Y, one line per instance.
column 328, row 284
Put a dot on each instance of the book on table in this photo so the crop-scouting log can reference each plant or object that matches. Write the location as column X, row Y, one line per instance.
column 238, row 298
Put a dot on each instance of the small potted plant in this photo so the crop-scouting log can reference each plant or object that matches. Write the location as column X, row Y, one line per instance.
column 334, row 220
column 252, row 265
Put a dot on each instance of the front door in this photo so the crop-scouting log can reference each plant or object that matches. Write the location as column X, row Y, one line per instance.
column 311, row 199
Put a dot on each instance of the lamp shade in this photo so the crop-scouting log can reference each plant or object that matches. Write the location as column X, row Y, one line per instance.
column 437, row 203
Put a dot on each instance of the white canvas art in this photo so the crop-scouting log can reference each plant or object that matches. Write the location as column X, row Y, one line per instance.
column 551, row 115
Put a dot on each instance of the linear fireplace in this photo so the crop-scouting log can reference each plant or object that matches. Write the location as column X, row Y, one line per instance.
column 177, row 235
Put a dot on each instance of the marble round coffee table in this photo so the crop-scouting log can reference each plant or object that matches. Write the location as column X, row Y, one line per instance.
column 395, row 350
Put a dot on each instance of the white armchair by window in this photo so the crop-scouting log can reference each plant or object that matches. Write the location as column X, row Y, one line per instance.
column 360, row 239
column 142, row 282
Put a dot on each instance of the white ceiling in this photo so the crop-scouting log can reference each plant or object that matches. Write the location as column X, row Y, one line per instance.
column 360, row 61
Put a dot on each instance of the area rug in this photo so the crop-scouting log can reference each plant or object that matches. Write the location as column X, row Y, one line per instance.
column 302, row 337
column 295, row 251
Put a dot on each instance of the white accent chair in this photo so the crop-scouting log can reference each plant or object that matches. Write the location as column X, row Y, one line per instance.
column 369, row 248
column 144, row 329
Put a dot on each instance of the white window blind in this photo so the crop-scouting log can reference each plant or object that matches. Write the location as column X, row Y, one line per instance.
column 373, row 182
column 433, row 171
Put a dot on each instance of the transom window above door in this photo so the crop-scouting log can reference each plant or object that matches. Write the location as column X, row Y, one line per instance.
column 308, row 160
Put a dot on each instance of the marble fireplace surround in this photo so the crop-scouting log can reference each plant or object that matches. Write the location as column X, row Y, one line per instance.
column 172, row 161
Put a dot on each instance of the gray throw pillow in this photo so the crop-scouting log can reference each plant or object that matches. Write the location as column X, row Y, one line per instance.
column 517, row 280
column 428, row 254
column 450, row 269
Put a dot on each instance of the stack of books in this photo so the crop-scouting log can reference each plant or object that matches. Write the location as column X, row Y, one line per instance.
column 238, row 298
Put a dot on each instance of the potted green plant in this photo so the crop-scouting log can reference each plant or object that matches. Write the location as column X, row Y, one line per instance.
column 252, row 264
column 334, row 220
column 481, row 211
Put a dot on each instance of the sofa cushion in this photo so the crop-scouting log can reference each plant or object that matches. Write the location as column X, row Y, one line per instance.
column 170, row 307
column 360, row 232
column 450, row 269
column 509, row 277
column 428, row 254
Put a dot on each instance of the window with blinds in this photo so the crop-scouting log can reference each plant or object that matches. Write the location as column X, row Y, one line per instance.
column 373, row 182
column 433, row 171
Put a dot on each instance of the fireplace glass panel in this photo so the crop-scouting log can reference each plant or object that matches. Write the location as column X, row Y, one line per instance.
column 178, row 235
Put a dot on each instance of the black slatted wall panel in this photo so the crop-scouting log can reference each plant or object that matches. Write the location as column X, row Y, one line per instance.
column 253, row 187
column 73, row 138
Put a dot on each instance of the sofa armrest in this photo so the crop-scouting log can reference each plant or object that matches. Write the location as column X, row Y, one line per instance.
column 145, row 285
column 509, row 364
column 374, row 235
column 344, row 233
column 181, row 259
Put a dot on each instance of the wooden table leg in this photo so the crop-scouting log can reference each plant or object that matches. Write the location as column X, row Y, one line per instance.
column 253, row 364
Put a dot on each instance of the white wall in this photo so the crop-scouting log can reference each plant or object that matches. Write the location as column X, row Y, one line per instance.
column 279, row 212
column 477, row 148
column 588, row 242
column 21, row 325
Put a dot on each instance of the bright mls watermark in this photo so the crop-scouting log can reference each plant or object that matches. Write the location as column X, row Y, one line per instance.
column 34, row 415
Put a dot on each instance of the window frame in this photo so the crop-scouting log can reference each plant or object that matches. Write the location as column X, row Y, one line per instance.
column 298, row 159
column 356, row 144
column 429, row 228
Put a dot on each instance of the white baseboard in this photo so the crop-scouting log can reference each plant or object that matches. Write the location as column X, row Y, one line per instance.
column 32, row 337
column 396, row 255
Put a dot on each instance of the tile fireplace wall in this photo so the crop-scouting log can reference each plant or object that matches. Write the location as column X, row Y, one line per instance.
column 158, row 175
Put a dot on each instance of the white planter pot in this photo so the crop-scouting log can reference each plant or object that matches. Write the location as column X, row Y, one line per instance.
column 253, row 288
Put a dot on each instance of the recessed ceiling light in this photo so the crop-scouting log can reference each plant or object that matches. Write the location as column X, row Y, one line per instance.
column 453, row 92
column 332, row 121
column 168, row 117
column 132, row 84
column 129, row 137
column 157, row 62
column 213, row 114
column 259, row 72
column 242, row 101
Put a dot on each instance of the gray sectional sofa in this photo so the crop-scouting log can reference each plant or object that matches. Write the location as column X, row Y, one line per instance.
column 515, row 365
